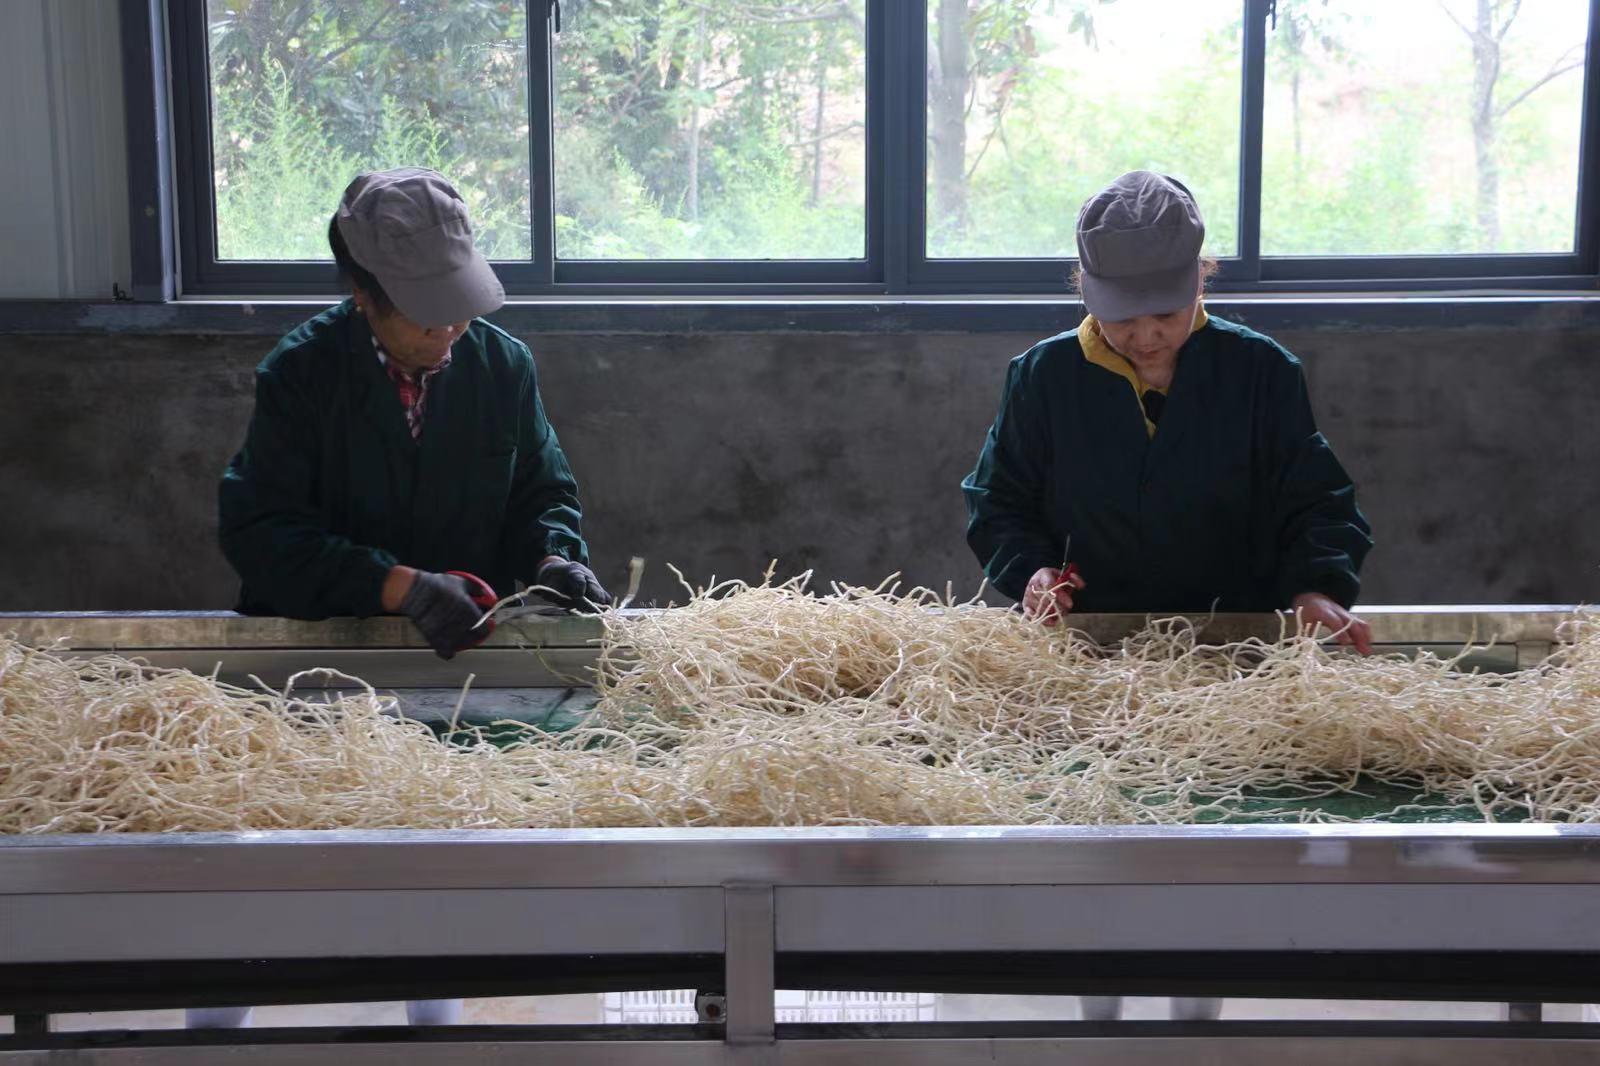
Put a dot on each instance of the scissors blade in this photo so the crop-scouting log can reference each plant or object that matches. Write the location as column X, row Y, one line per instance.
column 509, row 607
column 529, row 610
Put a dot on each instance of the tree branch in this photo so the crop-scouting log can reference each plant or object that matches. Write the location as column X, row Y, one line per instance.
column 987, row 141
column 263, row 29
column 1536, row 86
column 1505, row 27
column 812, row 142
column 1452, row 17
column 294, row 22
column 363, row 37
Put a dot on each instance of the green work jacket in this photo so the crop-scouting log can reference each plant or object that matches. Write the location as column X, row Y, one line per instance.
column 1236, row 503
column 330, row 490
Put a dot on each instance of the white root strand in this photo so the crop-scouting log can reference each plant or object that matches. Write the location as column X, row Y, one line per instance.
column 774, row 705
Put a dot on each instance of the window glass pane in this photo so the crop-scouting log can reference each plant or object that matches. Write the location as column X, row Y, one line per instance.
column 1035, row 105
column 306, row 94
column 1390, row 131
column 691, row 130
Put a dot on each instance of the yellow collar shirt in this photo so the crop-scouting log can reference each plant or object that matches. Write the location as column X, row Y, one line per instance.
column 1097, row 351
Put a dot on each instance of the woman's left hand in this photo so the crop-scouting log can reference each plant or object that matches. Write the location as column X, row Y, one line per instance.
column 1048, row 597
column 1315, row 608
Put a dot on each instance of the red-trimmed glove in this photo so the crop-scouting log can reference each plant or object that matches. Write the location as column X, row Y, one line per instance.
column 445, row 608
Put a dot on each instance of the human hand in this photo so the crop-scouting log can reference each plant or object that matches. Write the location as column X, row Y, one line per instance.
column 1313, row 609
column 1048, row 596
column 442, row 608
column 570, row 585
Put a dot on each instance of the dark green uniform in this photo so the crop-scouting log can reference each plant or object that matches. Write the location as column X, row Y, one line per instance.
column 330, row 490
column 1237, row 502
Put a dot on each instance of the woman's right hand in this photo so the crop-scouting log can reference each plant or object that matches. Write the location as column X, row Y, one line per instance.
column 1048, row 596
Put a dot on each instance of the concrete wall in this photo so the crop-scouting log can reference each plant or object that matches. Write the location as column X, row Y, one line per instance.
column 1475, row 451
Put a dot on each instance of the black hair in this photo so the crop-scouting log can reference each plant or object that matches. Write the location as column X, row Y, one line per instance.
column 353, row 273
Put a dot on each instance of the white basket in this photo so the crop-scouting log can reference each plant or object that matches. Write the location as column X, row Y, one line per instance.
column 671, row 1006
column 676, row 1007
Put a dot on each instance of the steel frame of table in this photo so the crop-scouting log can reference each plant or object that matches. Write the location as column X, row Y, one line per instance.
column 749, row 897
column 561, row 650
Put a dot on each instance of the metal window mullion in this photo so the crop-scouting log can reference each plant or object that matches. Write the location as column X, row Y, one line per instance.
column 153, row 264
column 541, row 142
column 1251, row 133
column 878, row 159
column 901, row 209
column 1586, row 239
column 191, row 123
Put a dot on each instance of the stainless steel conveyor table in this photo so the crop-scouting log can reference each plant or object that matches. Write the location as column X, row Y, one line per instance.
column 1502, row 913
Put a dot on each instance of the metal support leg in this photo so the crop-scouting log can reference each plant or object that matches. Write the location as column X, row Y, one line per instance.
column 1100, row 1008
column 749, row 931
column 1522, row 1012
column 218, row 1017
column 1196, row 1008
column 433, row 1012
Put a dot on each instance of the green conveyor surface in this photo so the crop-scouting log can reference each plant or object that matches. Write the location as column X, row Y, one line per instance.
column 557, row 710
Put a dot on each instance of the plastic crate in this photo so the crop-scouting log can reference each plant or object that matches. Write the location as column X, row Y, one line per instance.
column 672, row 1006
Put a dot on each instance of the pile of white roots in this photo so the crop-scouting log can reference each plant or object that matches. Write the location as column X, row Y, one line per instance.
column 775, row 706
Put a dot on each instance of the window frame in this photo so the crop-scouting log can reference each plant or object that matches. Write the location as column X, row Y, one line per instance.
column 895, row 260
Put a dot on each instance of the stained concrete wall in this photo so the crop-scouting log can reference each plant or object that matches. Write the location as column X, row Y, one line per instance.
column 1475, row 451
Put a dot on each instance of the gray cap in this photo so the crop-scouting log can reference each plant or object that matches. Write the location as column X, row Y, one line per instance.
column 409, row 228
column 1139, row 247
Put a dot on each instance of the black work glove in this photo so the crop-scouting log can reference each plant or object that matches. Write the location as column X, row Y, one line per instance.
column 441, row 607
column 571, row 585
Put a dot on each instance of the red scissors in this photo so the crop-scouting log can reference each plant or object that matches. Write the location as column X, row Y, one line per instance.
column 482, row 595
column 1069, row 570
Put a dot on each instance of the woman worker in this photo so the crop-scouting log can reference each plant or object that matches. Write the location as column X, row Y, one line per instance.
column 1169, row 457
column 398, row 437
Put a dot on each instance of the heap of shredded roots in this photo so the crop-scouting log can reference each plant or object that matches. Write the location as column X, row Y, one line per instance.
column 773, row 705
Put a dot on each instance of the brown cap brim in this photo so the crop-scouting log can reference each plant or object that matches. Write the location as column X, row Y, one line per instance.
column 464, row 293
column 1119, row 299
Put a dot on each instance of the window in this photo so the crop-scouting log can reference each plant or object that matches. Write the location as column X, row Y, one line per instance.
column 304, row 96
column 1448, row 128
column 899, row 146
column 1031, row 114
column 696, row 131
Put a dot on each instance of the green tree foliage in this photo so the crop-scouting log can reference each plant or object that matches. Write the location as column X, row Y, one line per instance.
column 308, row 93
column 692, row 130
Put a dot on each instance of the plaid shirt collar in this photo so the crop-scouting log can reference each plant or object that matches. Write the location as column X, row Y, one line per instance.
column 412, row 388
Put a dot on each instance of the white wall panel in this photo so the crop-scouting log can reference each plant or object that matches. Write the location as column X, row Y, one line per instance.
column 63, row 160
